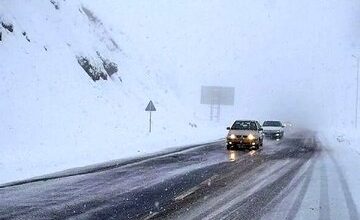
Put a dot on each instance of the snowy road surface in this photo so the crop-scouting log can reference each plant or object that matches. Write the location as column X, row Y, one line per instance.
column 295, row 178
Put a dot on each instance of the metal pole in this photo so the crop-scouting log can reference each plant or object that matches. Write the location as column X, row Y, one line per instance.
column 212, row 108
column 150, row 123
column 357, row 93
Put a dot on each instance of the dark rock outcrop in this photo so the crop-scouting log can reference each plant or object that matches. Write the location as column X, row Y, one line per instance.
column 92, row 70
column 56, row 4
column 7, row 26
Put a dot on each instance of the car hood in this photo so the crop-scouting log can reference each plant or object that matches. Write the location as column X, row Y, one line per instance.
column 272, row 128
column 242, row 132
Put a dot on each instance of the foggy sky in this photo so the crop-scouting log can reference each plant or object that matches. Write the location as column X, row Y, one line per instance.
column 287, row 60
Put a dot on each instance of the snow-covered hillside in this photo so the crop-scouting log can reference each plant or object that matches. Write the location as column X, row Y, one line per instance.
column 73, row 92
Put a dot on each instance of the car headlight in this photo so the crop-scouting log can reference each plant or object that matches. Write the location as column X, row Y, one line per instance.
column 232, row 136
column 251, row 137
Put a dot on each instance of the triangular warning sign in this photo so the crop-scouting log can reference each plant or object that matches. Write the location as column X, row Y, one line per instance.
column 150, row 107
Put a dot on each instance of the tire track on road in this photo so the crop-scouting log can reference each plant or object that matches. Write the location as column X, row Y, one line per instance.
column 324, row 194
column 253, row 206
column 306, row 178
column 303, row 178
column 350, row 203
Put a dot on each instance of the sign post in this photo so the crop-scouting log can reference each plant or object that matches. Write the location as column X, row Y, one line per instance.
column 150, row 108
column 215, row 96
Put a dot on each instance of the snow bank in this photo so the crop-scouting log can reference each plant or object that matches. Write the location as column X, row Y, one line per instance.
column 347, row 138
column 343, row 146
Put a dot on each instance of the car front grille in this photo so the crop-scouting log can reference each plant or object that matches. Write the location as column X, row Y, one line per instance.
column 271, row 132
column 241, row 136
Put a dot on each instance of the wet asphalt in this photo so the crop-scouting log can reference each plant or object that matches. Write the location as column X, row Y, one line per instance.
column 203, row 182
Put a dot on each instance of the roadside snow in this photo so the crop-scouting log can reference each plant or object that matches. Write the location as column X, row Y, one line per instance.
column 53, row 116
column 27, row 163
column 327, row 186
column 346, row 138
column 343, row 152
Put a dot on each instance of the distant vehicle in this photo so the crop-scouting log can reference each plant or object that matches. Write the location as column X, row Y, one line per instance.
column 288, row 124
column 273, row 129
column 244, row 134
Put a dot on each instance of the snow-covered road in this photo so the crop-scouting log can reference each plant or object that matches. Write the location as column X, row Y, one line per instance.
column 324, row 188
column 300, row 177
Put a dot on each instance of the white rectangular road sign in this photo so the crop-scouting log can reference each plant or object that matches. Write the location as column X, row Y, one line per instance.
column 217, row 95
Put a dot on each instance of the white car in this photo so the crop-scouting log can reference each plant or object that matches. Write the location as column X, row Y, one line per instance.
column 273, row 129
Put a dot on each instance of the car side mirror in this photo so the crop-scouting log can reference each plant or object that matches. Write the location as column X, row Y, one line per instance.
column 283, row 126
column 228, row 128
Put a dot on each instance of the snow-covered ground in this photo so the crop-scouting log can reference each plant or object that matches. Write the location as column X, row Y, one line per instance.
column 327, row 187
column 344, row 146
column 344, row 138
column 335, row 181
column 54, row 116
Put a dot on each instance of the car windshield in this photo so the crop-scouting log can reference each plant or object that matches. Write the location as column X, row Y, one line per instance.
column 272, row 123
column 244, row 125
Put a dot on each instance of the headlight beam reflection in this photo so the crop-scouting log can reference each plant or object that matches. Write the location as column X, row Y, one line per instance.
column 252, row 153
column 232, row 156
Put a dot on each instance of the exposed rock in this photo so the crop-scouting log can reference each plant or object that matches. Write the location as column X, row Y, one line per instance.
column 110, row 67
column 56, row 4
column 94, row 72
column 90, row 15
column 7, row 26
column 193, row 125
column 24, row 34
column 105, row 36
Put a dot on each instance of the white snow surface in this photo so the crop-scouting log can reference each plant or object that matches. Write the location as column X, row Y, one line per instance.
column 53, row 116
column 341, row 159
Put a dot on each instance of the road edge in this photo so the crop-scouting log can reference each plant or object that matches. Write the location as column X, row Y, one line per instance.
column 93, row 168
